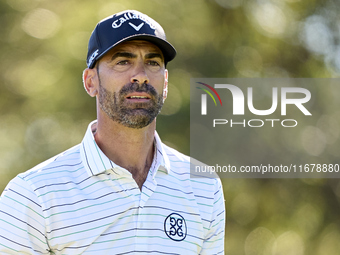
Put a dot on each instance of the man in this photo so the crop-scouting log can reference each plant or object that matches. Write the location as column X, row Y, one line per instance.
column 121, row 191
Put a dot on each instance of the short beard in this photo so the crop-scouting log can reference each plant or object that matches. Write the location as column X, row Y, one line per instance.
column 137, row 115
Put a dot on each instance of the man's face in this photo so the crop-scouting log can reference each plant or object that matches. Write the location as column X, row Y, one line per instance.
column 131, row 81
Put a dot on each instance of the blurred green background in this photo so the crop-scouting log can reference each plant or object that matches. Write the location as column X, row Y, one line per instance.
column 45, row 110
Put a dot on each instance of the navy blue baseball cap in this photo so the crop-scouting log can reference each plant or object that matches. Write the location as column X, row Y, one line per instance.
column 125, row 26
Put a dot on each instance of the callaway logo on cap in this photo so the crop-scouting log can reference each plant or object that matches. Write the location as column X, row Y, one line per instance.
column 124, row 26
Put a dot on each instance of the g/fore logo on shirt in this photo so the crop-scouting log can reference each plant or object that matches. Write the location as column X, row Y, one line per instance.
column 175, row 227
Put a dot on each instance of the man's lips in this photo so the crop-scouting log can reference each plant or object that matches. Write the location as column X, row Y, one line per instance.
column 138, row 97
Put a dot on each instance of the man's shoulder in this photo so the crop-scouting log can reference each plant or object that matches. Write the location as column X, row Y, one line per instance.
column 206, row 188
column 182, row 164
column 63, row 161
column 175, row 155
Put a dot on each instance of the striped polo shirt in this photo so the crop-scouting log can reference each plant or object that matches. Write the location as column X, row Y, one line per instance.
column 80, row 202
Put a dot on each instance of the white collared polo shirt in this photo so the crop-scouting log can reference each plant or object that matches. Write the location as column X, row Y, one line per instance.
column 80, row 202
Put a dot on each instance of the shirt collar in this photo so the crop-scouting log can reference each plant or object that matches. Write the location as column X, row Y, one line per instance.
column 96, row 162
column 161, row 158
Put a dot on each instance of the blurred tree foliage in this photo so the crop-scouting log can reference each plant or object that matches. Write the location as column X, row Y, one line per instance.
column 45, row 110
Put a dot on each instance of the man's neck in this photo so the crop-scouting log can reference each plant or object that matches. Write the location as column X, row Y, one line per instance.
column 129, row 148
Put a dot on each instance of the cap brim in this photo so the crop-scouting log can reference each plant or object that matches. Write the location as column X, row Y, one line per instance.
column 167, row 49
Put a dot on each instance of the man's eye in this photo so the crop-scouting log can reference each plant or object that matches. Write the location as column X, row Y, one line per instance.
column 123, row 62
column 153, row 63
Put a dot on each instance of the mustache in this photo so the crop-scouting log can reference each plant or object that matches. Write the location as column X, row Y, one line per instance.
column 136, row 87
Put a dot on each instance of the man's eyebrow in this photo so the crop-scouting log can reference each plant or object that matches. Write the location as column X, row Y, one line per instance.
column 154, row 55
column 123, row 55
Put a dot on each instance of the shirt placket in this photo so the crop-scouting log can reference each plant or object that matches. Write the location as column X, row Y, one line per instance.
column 130, row 187
column 142, row 220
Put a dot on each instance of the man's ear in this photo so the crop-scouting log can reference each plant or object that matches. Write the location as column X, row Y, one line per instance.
column 165, row 88
column 91, row 81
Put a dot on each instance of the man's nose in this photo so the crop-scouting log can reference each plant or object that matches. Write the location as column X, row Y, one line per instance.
column 139, row 75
